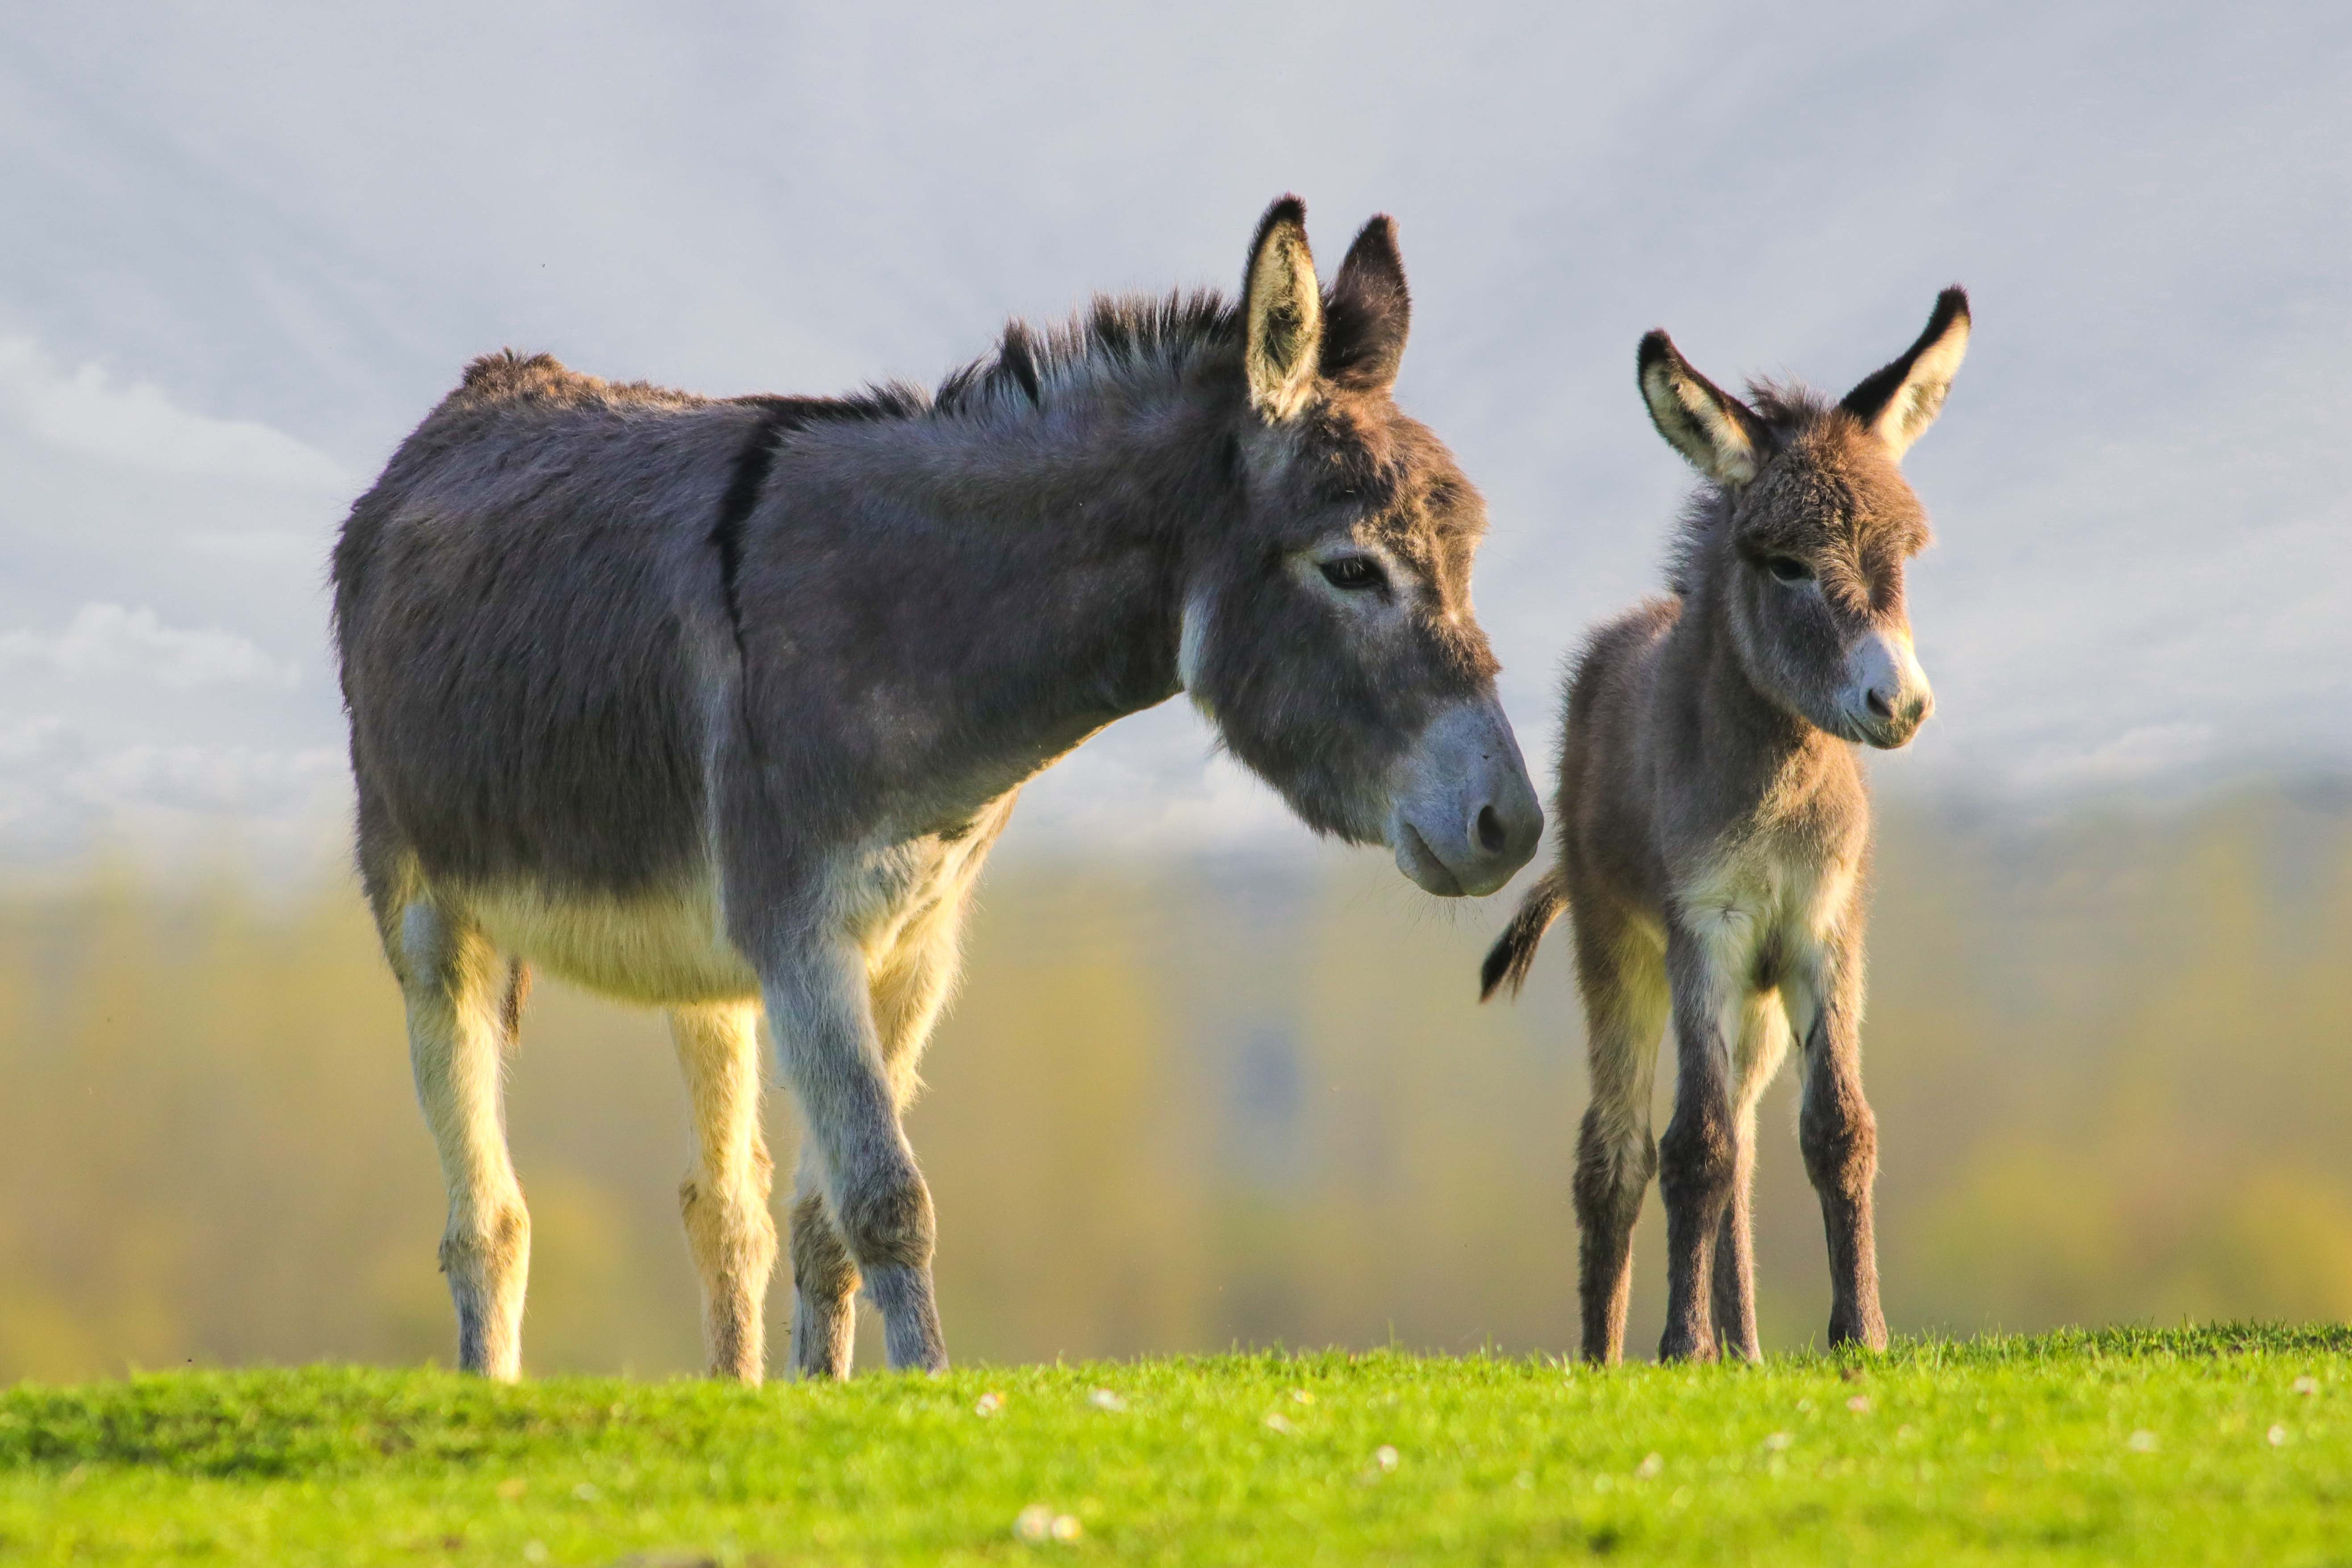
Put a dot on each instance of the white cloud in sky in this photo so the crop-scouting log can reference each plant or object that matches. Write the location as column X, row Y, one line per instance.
column 314, row 219
column 232, row 779
column 2143, row 753
column 137, row 425
column 104, row 638
column 64, row 789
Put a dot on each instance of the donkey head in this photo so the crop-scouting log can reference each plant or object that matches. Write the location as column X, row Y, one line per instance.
column 1327, row 630
column 1818, row 523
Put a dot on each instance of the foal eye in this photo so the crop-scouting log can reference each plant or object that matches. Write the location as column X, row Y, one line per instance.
column 1354, row 574
column 1788, row 569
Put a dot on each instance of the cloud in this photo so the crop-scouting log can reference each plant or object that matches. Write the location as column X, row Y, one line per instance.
column 2143, row 531
column 138, row 426
column 104, row 638
column 63, row 790
column 2139, row 753
column 234, row 780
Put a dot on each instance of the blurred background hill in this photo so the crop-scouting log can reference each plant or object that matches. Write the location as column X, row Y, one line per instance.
column 1186, row 1103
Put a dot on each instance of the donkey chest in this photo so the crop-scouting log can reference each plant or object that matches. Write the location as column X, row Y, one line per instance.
column 1758, row 908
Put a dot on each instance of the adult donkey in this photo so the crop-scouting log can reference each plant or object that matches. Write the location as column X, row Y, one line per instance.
column 718, row 703
column 1714, row 830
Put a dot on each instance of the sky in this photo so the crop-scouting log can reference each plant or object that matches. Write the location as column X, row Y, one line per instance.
column 249, row 246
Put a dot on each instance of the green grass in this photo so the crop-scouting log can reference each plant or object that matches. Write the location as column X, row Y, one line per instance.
column 2196, row 1446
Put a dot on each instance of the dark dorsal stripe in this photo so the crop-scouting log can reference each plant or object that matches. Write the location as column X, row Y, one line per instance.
column 779, row 417
column 777, row 414
column 752, row 462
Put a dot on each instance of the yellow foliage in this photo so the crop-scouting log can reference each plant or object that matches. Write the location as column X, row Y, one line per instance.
column 1183, row 1105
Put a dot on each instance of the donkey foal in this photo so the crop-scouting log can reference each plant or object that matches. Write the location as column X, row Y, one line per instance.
column 1714, row 830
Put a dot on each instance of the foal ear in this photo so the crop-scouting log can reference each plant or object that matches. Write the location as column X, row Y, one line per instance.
column 1901, row 400
column 1372, row 310
column 1283, row 307
column 1718, row 433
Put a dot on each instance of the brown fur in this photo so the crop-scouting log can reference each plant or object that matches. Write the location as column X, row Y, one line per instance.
column 1714, row 833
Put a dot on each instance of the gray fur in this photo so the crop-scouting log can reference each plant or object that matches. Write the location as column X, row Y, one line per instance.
column 709, row 702
column 1715, row 834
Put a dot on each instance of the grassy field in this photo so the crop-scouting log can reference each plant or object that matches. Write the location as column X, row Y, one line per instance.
column 2195, row 1446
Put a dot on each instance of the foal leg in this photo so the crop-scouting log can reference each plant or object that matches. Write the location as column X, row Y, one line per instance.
column 725, row 1195
column 1698, row 1157
column 1623, row 984
column 1839, row 1136
column 1763, row 1043
column 461, row 1002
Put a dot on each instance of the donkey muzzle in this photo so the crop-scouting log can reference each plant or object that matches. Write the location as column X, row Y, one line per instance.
column 1463, row 815
column 1887, row 696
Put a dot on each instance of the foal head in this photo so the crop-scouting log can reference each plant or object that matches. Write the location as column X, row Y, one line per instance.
column 1815, row 526
column 1329, row 632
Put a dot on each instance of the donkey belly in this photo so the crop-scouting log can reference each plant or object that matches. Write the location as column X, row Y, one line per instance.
column 660, row 948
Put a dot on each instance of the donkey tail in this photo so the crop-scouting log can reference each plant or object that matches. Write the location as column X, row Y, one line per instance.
column 1515, row 951
column 511, row 1007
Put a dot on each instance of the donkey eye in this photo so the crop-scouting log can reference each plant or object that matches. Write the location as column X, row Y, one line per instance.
column 1788, row 569
column 1355, row 573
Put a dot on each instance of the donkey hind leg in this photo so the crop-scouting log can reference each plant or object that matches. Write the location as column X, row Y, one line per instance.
column 1839, row 1136
column 462, row 1006
column 1763, row 1045
column 725, row 1195
column 1624, row 988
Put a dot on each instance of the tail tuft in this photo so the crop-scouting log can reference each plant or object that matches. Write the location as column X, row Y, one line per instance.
column 511, row 1008
column 1513, row 951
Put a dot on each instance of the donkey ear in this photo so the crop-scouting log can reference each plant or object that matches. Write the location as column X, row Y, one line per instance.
column 1372, row 310
column 1718, row 433
column 1284, row 309
column 1900, row 401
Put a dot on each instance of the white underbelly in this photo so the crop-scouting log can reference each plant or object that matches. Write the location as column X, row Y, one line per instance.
column 664, row 949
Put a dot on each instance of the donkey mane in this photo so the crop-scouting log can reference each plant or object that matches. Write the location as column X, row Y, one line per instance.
column 1115, row 336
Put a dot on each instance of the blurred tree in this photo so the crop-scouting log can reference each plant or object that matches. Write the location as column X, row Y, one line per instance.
column 1185, row 1104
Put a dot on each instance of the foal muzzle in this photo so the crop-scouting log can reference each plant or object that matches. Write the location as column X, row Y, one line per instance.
column 1886, row 697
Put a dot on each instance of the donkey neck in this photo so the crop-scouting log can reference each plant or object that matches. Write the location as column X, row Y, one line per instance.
column 1011, row 560
column 1105, row 495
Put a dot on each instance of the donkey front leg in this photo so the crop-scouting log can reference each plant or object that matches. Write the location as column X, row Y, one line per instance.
column 1698, row 1157
column 725, row 1195
column 1763, row 1043
column 461, row 1000
column 1840, row 1139
column 820, row 1006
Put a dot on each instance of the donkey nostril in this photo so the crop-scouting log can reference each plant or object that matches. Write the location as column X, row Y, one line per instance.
column 1491, row 836
column 1879, row 704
